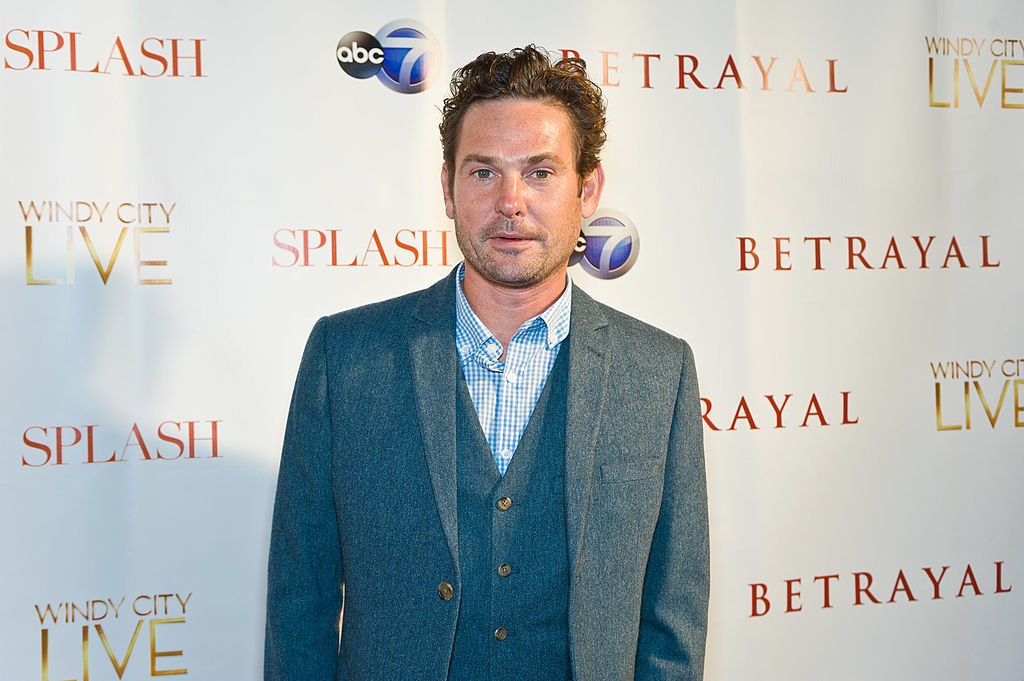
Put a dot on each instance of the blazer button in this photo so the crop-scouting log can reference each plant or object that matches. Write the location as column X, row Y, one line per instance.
column 445, row 591
column 504, row 570
column 504, row 504
column 500, row 634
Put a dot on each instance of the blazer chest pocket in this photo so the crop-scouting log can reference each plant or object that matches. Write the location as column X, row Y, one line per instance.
column 626, row 502
column 631, row 471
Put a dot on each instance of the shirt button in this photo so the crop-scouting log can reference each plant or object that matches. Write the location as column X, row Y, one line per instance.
column 500, row 634
column 445, row 591
column 504, row 570
column 511, row 377
column 504, row 504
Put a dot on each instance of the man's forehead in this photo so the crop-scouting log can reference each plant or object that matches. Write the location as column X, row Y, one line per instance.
column 515, row 128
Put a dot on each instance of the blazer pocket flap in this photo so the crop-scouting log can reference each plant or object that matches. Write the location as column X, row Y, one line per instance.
column 642, row 469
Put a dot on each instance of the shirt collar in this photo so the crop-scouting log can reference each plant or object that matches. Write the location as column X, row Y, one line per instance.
column 475, row 334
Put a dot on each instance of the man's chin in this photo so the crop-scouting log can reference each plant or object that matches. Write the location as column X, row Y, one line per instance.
column 516, row 277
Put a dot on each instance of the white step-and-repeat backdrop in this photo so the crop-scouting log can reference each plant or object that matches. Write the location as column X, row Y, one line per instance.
column 823, row 198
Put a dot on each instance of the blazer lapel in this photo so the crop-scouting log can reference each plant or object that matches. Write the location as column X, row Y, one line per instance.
column 433, row 357
column 589, row 360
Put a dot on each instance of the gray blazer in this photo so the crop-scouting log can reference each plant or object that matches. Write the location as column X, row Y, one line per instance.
column 367, row 491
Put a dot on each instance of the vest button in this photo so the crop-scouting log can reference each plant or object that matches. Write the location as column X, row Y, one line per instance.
column 504, row 570
column 500, row 634
column 504, row 504
column 445, row 591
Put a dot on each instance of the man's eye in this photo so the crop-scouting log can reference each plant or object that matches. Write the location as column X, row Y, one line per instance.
column 482, row 174
column 542, row 174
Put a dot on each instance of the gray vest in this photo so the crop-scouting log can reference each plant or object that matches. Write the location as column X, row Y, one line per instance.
column 513, row 614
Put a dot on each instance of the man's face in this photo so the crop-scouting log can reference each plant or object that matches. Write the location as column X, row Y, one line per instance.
column 515, row 195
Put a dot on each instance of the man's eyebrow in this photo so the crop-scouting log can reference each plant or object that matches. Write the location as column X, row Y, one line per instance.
column 491, row 160
column 477, row 158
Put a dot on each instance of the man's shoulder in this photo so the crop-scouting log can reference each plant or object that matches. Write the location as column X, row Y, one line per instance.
column 630, row 332
column 390, row 318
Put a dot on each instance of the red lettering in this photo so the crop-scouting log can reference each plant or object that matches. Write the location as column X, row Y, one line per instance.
column 793, row 596
column 747, row 246
column 41, row 42
column 968, row 580
column 36, row 444
column 847, row 421
column 779, row 253
column 813, row 408
column 607, row 69
column 985, row 262
column 923, row 250
column 826, row 593
column 192, row 439
column 935, row 582
column 817, row 247
column 443, row 248
column 856, row 253
column 153, row 56
column 139, row 442
column 120, row 56
column 705, row 405
column 647, row 66
column 61, row 445
column 305, row 244
column 334, row 246
column 177, row 58
column 21, row 49
column 743, row 412
column 832, row 76
column 90, row 448
column 901, row 585
column 765, row 71
column 778, row 409
column 165, row 437
column 999, row 579
column 375, row 246
column 285, row 247
column 685, row 72
column 863, row 589
column 954, row 249
column 73, row 49
column 757, row 599
column 799, row 75
column 892, row 252
column 407, row 247
column 730, row 71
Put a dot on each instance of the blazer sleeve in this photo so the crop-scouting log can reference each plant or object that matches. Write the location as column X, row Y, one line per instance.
column 304, row 577
column 674, row 610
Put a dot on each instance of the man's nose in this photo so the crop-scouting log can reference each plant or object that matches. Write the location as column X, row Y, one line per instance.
column 510, row 198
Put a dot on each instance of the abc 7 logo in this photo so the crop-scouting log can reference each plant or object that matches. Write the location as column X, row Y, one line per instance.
column 404, row 55
column 608, row 246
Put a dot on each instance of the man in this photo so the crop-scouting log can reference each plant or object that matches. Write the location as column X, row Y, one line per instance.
column 498, row 477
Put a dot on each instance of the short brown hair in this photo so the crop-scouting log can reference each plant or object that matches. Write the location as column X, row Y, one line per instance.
column 528, row 73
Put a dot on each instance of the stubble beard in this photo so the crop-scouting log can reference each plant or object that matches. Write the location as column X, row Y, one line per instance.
column 521, row 270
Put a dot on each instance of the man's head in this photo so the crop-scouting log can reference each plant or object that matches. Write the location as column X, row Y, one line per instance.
column 527, row 73
column 521, row 140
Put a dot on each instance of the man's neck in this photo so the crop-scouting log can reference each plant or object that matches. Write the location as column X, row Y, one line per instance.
column 503, row 309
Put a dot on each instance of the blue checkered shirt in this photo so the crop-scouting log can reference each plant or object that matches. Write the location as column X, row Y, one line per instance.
column 505, row 392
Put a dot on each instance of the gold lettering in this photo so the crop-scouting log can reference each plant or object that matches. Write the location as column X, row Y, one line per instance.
column 980, row 96
column 154, row 653
column 140, row 263
column 1016, row 90
column 119, row 667
column 938, row 410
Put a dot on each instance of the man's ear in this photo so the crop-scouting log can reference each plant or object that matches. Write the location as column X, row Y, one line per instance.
column 593, row 185
column 446, row 189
